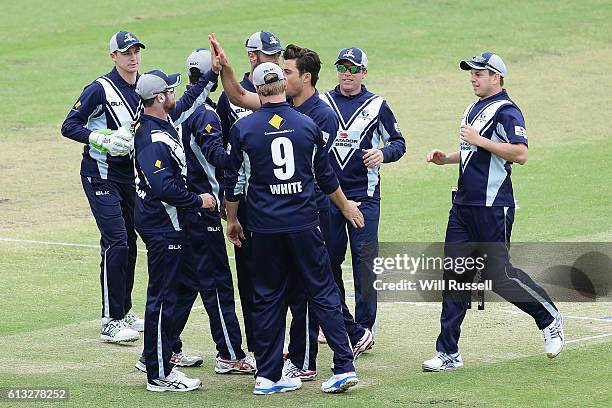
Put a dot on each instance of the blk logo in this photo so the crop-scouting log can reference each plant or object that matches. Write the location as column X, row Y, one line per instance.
column 115, row 103
column 171, row 247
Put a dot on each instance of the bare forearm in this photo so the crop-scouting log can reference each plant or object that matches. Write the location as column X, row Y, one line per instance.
column 452, row 158
column 235, row 92
column 516, row 153
column 231, row 209
column 338, row 198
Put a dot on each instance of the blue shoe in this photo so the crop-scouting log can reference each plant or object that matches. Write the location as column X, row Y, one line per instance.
column 340, row 382
column 263, row 386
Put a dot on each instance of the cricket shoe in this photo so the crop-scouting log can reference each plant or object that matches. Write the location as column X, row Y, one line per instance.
column 290, row 370
column 364, row 344
column 443, row 362
column 321, row 339
column 553, row 337
column 141, row 364
column 176, row 381
column 263, row 386
column 245, row 365
column 183, row 360
column 134, row 322
column 340, row 382
column 116, row 331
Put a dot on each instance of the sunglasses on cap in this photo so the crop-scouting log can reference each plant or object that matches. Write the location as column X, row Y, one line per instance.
column 353, row 69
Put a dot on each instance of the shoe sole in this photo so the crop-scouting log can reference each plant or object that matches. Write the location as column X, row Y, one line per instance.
column 142, row 368
column 157, row 388
column 351, row 382
column 232, row 371
column 108, row 339
column 196, row 364
column 436, row 370
column 287, row 389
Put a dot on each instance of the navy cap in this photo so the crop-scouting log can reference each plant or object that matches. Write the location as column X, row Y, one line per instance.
column 155, row 82
column 486, row 60
column 354, row 55
column 123, row 40
column 265, row 42
column 200, row 59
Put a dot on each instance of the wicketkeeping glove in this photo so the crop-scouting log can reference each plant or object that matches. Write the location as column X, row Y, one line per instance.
column 115, row 143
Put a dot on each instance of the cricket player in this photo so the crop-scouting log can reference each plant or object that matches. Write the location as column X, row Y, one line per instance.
column 101, row 119
column 163, row 200
column 207, row 269
column 261, row 46
column 368, row 136
column 276, row 153
column 492, row 138
column 301, row 70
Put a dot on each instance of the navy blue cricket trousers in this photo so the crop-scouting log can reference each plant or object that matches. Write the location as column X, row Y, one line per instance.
column 112, row 205
column 165, row 257
column 279, row 256
column 473, row 231
column 364, row 248
column 207, row 271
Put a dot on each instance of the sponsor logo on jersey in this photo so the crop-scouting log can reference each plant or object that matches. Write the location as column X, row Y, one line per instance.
column 213, row 229
column 116, row 103
column 276, row 121
column 173, row 247
column 102, row 193
column 397, row 128
column 520, row 131
column 158, row 164
column 228, row 150
column 136, row 127
column 77, row 105
column 208, row 128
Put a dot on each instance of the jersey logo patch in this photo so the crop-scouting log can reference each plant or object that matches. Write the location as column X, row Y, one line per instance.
column 208, row 128
column 520, row 131
column 136, row 127
column 158, row 164
column 77, row 105
column 276, row 121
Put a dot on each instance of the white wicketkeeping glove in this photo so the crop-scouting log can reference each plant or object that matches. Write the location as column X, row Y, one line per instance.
column 115, row 143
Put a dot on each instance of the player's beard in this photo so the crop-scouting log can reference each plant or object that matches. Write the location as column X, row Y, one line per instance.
column 169, row 104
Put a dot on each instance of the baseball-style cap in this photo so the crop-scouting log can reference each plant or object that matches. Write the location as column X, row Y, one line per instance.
column 267, row 69
column 123, row 40
column 354, row 55
column 155, row 82
column 200, row 59
column 265, row 42
column 486, row 60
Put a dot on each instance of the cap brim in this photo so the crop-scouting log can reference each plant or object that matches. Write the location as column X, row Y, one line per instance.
column 174, row 80
column 467, row 65
column 352, row 61
column 141, row 45
column 272, row 52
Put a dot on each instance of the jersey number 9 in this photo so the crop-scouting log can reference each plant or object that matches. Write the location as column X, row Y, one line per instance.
column 282, row 156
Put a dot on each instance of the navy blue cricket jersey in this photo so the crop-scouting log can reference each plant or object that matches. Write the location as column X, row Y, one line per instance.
column 161, row 171
column 326, row 120
column 365, row 122
column 109, row 103
column 275, row 155
column 205, row 155
column 230, row 113
column 484, row 178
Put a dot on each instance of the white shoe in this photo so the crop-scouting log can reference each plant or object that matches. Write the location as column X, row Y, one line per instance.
column 134, row 322
column 176, row 381
column 183, row 360
column 290, row 370
column 263, row 386
column 116, row 331
column 553, row 337
column 243, row 366
column 365, row 343
column 443, row 362
column 141, row 364
column 340, row 382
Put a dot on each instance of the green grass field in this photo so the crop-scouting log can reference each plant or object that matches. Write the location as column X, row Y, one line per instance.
column 558, row 55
